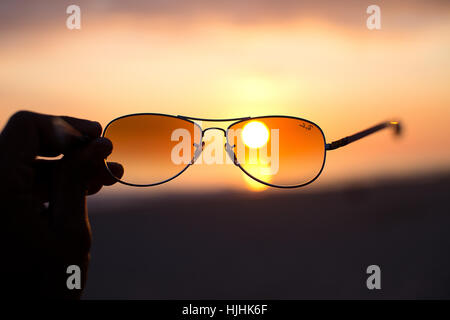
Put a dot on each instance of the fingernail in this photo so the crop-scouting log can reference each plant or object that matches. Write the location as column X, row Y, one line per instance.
column 65, row 133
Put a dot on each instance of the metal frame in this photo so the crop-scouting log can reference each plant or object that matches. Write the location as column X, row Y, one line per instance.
column 274, row 185
column 153, row 114
column 344, row 141
column 327, row 146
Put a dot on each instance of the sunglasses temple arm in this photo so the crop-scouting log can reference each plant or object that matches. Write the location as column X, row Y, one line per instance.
column 344, row 141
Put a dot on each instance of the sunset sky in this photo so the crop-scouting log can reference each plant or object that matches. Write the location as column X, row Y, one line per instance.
column 222, row 59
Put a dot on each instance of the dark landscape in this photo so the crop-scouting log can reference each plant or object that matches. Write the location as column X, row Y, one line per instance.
column 274, row 245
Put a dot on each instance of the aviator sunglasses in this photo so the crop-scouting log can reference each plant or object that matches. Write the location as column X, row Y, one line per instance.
column 278, row 151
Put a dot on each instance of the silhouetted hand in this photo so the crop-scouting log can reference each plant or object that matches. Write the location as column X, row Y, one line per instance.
column 42, row 241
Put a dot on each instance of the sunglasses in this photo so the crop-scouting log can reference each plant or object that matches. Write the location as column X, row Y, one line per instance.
column 278, row 151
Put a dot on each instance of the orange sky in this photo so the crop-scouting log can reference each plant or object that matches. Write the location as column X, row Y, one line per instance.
column 229, row 61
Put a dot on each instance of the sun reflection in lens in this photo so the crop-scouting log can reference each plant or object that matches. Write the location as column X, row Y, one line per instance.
column 252, row 184
column 258, row 169
column 255, row 134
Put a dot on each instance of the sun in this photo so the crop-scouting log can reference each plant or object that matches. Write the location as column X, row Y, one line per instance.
column 255, row 134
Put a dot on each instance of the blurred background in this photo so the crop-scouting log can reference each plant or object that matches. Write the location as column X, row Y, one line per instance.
column 222, row 59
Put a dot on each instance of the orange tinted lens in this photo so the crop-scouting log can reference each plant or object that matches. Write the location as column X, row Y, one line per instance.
column 277, row 150
column 152, row 148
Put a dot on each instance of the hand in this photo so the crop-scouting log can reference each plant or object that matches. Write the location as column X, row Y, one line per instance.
column 42, row 241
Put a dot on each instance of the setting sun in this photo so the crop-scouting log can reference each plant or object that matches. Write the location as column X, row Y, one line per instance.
column 255, row 134
column 226, row 61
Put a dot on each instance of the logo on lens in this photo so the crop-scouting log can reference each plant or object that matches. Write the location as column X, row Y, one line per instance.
column 306, row 126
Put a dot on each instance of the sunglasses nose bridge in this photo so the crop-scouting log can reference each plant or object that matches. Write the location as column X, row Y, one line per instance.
column 215, row 128
column 199, row 147
column 228, row 147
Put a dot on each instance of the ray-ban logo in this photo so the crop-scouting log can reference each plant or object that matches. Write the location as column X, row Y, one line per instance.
column 305, row 126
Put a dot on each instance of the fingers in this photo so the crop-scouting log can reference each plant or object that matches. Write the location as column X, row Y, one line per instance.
column 28, row 134
column 91, row 129
column 91, row 155
column 63, row 182
column 99, row 176
column 68, row 193
column 104, row 177
column 109, row 178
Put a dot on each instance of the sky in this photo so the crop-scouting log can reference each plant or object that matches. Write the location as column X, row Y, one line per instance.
column 315, row 60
